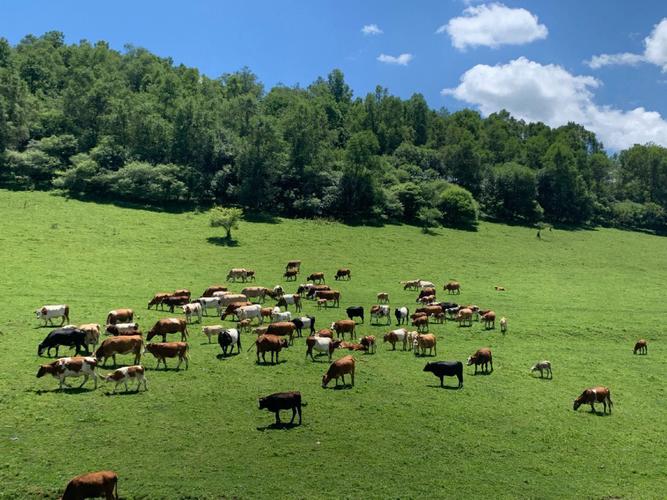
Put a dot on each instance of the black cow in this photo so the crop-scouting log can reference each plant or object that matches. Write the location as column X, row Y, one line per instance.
column 355, row 311
column 447, row 305
column 446, row 368
column 282, row 401
column 227, row 340
column 70, row 337
column 300, row 324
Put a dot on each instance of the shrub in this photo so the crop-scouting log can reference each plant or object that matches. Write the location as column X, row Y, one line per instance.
column 458, row 207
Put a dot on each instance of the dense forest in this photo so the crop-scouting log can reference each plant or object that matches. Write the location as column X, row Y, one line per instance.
column 130, row 126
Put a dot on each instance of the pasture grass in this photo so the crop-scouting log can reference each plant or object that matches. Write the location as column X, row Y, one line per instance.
column 577, row 298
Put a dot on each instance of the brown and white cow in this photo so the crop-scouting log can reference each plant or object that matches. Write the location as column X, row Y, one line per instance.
column 132, row 344
column 164, row 350
column 168, row 325
column 120, row 316
column 395, row 336
column 63, row 368
column 369, row 342
column 125, row 374
column 93, row 485
column 320, row 344
column 594, row 395
column 230, row 310
column 338, row 369
column 47, row 313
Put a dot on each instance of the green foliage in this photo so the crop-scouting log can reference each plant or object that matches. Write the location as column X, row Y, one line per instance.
column 145, row 183
column 226, row 217
column 458, row 207
column 429, row 217
column 509, row 192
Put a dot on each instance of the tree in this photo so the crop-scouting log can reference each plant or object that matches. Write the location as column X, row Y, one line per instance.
column 509, row 192
column 458, row 207
column 226, row 217
column 428, row 218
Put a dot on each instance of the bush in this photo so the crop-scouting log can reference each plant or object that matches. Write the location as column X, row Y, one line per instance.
column 458, row 207
column 82, row 178
column 154, row 184
column 633, row 215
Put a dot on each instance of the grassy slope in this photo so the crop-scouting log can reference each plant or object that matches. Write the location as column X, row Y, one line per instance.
column 580, row 299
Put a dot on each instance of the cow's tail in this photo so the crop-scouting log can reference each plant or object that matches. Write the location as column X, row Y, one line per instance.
column 115, row 488
column 254, row 344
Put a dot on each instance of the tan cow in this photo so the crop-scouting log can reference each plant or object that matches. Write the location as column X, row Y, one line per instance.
column 93, row 485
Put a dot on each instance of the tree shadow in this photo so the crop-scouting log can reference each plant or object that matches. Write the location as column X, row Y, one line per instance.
column 281, row 426
column 223, row 241
column 261, row 217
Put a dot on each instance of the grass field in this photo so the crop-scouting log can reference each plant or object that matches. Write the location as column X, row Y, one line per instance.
column 578, row 298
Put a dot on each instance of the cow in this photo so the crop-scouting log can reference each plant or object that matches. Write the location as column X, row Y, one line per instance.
column 426, row 341
column 442, row 369
column 321, row 303
column 429, row 310
column 499, row 288
column 230, row 310
column 168, row 325
column 411, row 340
column 250, row 275
column 641, row 347
column 399, row 335
column 92, row 333
column 380, row 311
column 278, row 315
column 304, row 322
column 70, row 337
column 453, row 287
column 320, row 344
column 157, row 299
column 305, row 288
column 325, row 332
column 355, row 312
column 448, row 305
column 368, row 342
column 439, row 318
column 401, row 314
column 120, row 316
column 426, row 292
column 125, row 374
column 277, row 292
column 212, row 330
column 270, row 343
column 343, row 326
column 175, row 300
column 464, row 316
column 542, row 366
column 192, row 309
column 311, row 290
column 343, row 273
column 164, row 350
column 290, row 275
column 212, row 289
column 594, row 395
column 489, row 319
column 293, row 265
column 183, row 292
column 351, row 346
column 316, row 277
column 122, row 329
column 282, row 401
column 209, row 303
column 416, row 315
column 255, row 292
column 282, row 329
column 93, row 485
column 70, row 367
column 425, row 284
column 290, row 299
column 503, row 325
column 227, row 338
column 250, row 312
column 260, row 330
column 332, row 295
column 410, row 284
column 338, row 369
column 481, row 357
column 245, row 325
column 426, row 299
column 421, row 323
column 237, row 273
column 383, row 298
column 120, row 345
column 47, row 313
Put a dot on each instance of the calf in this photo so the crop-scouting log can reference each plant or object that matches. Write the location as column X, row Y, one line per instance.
column 282, row 401
column 212, row 330
column 503, row 325
column 269, row 343
column 395, row 336
column 380, row 311
column 343, row 326
column 93, row 485
column 227, row 338
column 168, row 325
column 192, row 309
column 592, row 396
column 320, row 344
column 442, row 369
column 120, row 345
column 69, row 337
column 641, row 347
column 70, row 367
column 278, row 315
column 164, row 350
column 120, row 315
column 368, row 342
column 542, row 366
column 482, row 357
column 426, row 341
column 304, row 322
column 47, row 313
column 355, row 312
column 343, row 273
column 123, row 375
column 401, row 314
column 338, row 369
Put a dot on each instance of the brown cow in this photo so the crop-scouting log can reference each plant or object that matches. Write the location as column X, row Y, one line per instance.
column 163, row 350
column 183, row 292
column 313, row 289
column 429, row 310
column 641, row 346
column 383, row 298
column 425, row 292
column 426, row 299
column 421, row 323
column 489, row 319
column 343, row 326
column 270, row 343
column 316, row 277
column 290, row 275
column 594, row 395
column 331, row 295
column 482, row 357
column 266, row 312
column 369, row 342
column 157, row 299
column 282, row 329
column 120, row 316
column 464, row 316
column 453, row 287
column 351, row 346
column 325, row 332
column 120, row 345
column 343, row 273
column 169, row 325
column 426, row 341
column 93, row 485
column 338, row 369
column 230, row 310
column 174, row 300
column 418, row 315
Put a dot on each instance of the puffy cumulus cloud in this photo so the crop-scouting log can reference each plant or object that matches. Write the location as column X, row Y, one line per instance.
column 550, row 94
column 371, row 29
column 401, row 60
column 493, row 25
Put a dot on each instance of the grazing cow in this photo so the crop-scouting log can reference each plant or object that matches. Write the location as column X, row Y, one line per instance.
column 211, row 290
column 489, row 319
column 132, row 344
column 122, row 329
column 499, row 288
column 244, row 325
column 321, row 344
column 255, row 292
column 227, row 338
column 304, row 322
column 250, row 312
column 70, row 337
column 230, row 310
column 282, row 329
column 93, row 485
column 380, row 311
column 383, row 298
column 120, row 316
column 278, row 315
column 343, row 326
column 237, row 273
column 47, row 313
column 290, row 299
column 212, row 330
column 174, row 301
column 369, row 343
column 542, row 366
column 250, row 275
column 270, row 343
column 464, row 316
column 427, row 299
column 355, row 312
column 410, row 284
column 401, row 314
column 311, row 290
column 439, row 318
column 316, row 277
column 290, row 275
column 332, row 295
column 164, row 350
column 426, row 341
column 192, row 309
column 123, row 375
column 421, row 323
column 209, row 303
column 399, row 335
column 482, row 357
column 157, row 299
column 294, row 265
column 325, row 332
column 282, row 401
column 453, row 287
column 343, row 273
column 338, row 369
column 641, row 347
column 70, row 367
column 425, row 292
column 442, row 369
column 592, row 396
column 168, row 325
column 503, row 325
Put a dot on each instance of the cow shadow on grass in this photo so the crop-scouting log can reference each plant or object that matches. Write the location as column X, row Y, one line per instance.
column 485, row 374
column 131, row 392
column 222, row 241
column 340, row 387
column 223, row 357
column 448, row 387
column 269, row 363
column 66, row 390
column 280, row 426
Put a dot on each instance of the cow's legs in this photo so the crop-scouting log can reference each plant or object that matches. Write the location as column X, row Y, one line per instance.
column 277, row 417
column 85, row 379
column 293, row 414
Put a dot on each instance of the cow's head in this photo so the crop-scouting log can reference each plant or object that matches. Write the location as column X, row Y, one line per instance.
column 41, row 312
column 471, row 360
column 43, row 370
column 262, row 403
column 428, row 367
column 325, row 379
column 284, row 344
column 40, row 349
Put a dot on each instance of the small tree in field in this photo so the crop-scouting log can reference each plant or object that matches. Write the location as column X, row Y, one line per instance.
column 226, row 217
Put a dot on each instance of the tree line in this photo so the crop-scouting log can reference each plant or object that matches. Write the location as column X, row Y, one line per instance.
column 98, row 123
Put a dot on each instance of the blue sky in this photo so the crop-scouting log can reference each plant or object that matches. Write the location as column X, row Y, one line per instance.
column 533, row 57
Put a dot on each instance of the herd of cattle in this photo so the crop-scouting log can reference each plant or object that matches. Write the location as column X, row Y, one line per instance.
column 247, row 307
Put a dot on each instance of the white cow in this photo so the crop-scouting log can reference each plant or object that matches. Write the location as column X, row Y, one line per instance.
column 209, row 303
column 212, row 330
column 47, row 313
column 193, row 308
column 290, row 299
column 426, row 284
column 319, row 344
column 380, row 311
column 250, row 312
column 122, row 375
column 278, row 315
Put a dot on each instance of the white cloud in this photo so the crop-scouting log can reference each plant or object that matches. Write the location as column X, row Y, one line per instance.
column 371, row 29
column 549, row 93
column 655, row 51
column 401, row 60
column 493, row 25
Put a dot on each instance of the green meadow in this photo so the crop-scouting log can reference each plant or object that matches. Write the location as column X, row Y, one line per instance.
column 578, row 298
